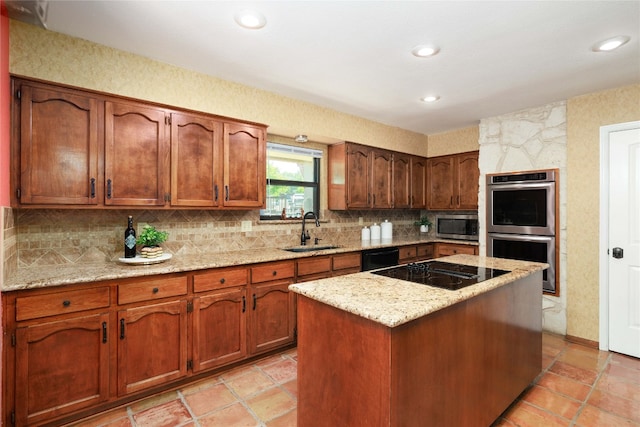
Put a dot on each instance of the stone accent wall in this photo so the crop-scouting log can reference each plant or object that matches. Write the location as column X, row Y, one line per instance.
column 530, row 139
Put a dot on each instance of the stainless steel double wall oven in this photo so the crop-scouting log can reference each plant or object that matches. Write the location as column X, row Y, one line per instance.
column 522, row 219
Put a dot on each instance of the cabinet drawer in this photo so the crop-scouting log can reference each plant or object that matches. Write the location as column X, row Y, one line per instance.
column 425, row 251
column 314, row 265
column 32, row 307
column 445, row 250
column 351, row 260
column 407, row 252
column 151, row 289
column 220, row 278
column 272, row 271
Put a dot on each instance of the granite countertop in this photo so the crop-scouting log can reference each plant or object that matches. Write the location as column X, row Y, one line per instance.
column 393, row 302
column 39, row 277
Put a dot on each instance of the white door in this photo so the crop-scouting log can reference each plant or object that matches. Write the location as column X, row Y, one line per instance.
column 624, row 242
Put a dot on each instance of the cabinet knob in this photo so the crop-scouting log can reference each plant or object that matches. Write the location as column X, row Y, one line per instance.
column 66, row 303
column 155, row 290
column 274, row 272
column 222, row 280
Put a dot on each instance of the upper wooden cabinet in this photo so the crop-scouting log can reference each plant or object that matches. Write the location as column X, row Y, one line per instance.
column 418, row 182
column 136, row 155
column 362, row 177
column 79, row 148
column 401, row 180
column 244, row 165
column 453, row 182
column 196, row 160
column 59, row 152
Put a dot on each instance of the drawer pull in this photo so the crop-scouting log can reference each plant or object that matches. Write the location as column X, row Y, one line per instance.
column 155, row 290
column 222, row 280
column 66, row 303
column 121, row 329
column 104, row 332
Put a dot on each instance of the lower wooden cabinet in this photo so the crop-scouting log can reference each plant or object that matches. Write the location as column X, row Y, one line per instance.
column 62, row 366
column 152, row 345
column 446, row 249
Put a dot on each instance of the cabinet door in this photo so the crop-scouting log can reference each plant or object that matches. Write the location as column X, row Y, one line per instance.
column 468, row 175
column 381, row 164
column 58, row 147
column 62, row 367
column 272, row 316
column 401, row 180
column 418, row 182
column 152, row 345
column 196, row 166
column 440, row 178
column 136, row 155
column 358, row 179
column 245, row 176
column 219, row 328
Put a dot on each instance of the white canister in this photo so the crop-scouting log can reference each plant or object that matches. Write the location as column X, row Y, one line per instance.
column 386, row 230
column 375, row 232
column 366, row 233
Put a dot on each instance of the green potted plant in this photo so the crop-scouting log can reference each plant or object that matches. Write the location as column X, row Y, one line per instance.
column 424, row 224
column 149, row 241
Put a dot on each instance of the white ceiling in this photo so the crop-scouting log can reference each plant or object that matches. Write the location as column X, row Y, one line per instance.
column 355, row 56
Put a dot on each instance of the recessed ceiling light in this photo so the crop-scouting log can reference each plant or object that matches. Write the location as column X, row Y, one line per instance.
column 430, row 98
column 424, row 51
column 250, row 19
column 610, row 44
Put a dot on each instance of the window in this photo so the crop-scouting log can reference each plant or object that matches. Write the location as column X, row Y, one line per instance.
column 293, row 177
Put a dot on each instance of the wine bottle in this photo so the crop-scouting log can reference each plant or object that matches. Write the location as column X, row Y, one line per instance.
column 130, row 240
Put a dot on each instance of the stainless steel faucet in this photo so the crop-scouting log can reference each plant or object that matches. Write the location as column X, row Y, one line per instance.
column 305, row 236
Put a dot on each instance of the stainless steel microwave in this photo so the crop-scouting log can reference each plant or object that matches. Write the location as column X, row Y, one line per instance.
column 461, row 227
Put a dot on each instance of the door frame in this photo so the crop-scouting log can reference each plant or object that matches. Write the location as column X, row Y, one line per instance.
column 605, row 132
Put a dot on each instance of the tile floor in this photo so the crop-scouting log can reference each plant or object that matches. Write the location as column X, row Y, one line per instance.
column 579, row 386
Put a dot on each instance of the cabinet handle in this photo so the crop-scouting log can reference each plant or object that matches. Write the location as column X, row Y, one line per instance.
column 222, row 280
column 155, row 290
column 108, row 189
column 244, row 304
column 104, row 332
column 121, row 329
column 215, row 190
column 66, row 303
column 451, row 201
column 255, row 300
column 93, row 188
column 226, row 192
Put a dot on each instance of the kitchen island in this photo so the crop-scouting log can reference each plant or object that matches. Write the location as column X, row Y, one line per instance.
column 378, row 351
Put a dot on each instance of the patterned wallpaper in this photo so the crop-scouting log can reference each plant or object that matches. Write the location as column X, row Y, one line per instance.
column 585, row 115
column 455, row 141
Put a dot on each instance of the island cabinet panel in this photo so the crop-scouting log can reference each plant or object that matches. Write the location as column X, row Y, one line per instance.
column 453, row 182
column 60, row 149
column 63, row 366
column 196, row 163
column 152, row 345
column 136, row 155
column 459, row 366
column 244, row 166
column 219, row 328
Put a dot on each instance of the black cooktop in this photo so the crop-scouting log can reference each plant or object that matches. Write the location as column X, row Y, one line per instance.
column 441, row 274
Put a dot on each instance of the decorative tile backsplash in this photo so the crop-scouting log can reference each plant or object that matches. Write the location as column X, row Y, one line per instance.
column 50, row 237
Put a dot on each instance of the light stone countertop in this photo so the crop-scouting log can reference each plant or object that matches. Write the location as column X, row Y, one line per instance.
column 393, row 302
column 40, row 277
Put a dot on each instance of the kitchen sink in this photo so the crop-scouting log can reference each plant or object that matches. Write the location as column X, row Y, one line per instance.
column 310, row 248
